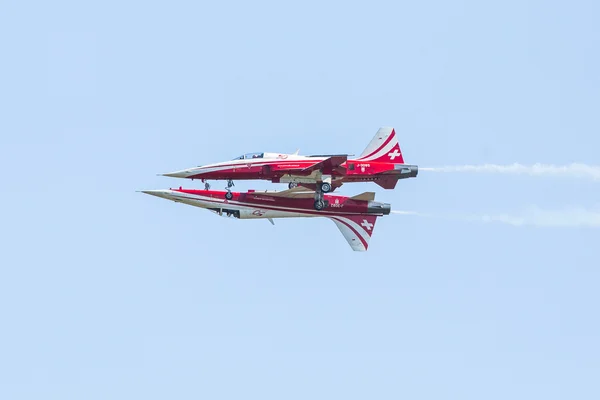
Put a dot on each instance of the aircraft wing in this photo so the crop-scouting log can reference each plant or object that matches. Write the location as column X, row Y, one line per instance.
column 357, row 229
column 329, row 164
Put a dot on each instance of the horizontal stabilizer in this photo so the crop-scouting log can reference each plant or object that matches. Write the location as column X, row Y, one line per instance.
column 389, row 179
column 367, row 196
column 389, row 182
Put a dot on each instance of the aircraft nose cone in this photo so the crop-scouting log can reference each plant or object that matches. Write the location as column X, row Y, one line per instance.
column 178, row 174
column 157, row 193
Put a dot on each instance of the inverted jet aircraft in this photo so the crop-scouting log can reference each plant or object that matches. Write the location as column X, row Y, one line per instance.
column 381, row 162
column 354, row 216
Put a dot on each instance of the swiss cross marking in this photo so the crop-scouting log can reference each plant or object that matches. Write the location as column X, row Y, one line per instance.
column 367, row 225
column 393, row 155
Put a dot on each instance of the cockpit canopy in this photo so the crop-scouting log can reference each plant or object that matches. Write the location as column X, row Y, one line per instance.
column 250, row 156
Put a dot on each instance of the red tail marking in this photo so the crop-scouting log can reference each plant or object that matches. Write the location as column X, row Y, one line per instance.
column 367, row 222
column 393, row 155
column 392, row 135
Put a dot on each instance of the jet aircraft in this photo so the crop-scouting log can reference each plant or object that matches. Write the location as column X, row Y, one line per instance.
column 381, row 162
column 354, row 216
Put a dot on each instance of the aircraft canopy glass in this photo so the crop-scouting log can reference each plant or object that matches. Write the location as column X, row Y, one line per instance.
column 250, row 156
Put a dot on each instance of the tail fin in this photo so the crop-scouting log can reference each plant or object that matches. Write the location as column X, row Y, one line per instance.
column 383, row 147
column 357, row 229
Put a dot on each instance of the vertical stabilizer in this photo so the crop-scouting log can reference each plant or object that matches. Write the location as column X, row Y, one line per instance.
column 384, row 147
column 357, row 229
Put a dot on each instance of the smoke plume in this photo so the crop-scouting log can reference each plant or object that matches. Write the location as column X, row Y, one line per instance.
column 574, row 217
column 574, row 170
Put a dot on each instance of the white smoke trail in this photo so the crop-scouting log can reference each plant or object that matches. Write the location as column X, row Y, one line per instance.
column 574, row 217
column 574, row 170
column 406, row 212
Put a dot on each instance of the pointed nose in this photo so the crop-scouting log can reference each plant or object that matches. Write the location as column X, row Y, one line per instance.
column 158, row 193
column 179, row 174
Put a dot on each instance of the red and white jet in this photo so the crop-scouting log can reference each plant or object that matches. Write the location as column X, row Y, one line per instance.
column 381, row 162
column 354, row 216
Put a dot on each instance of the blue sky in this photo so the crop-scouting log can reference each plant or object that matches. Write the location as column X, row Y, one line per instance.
column 109, row 293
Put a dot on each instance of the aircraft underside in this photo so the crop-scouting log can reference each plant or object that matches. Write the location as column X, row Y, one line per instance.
column 355, row 216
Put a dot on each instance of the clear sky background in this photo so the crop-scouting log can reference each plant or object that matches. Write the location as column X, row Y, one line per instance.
column 106, row 293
